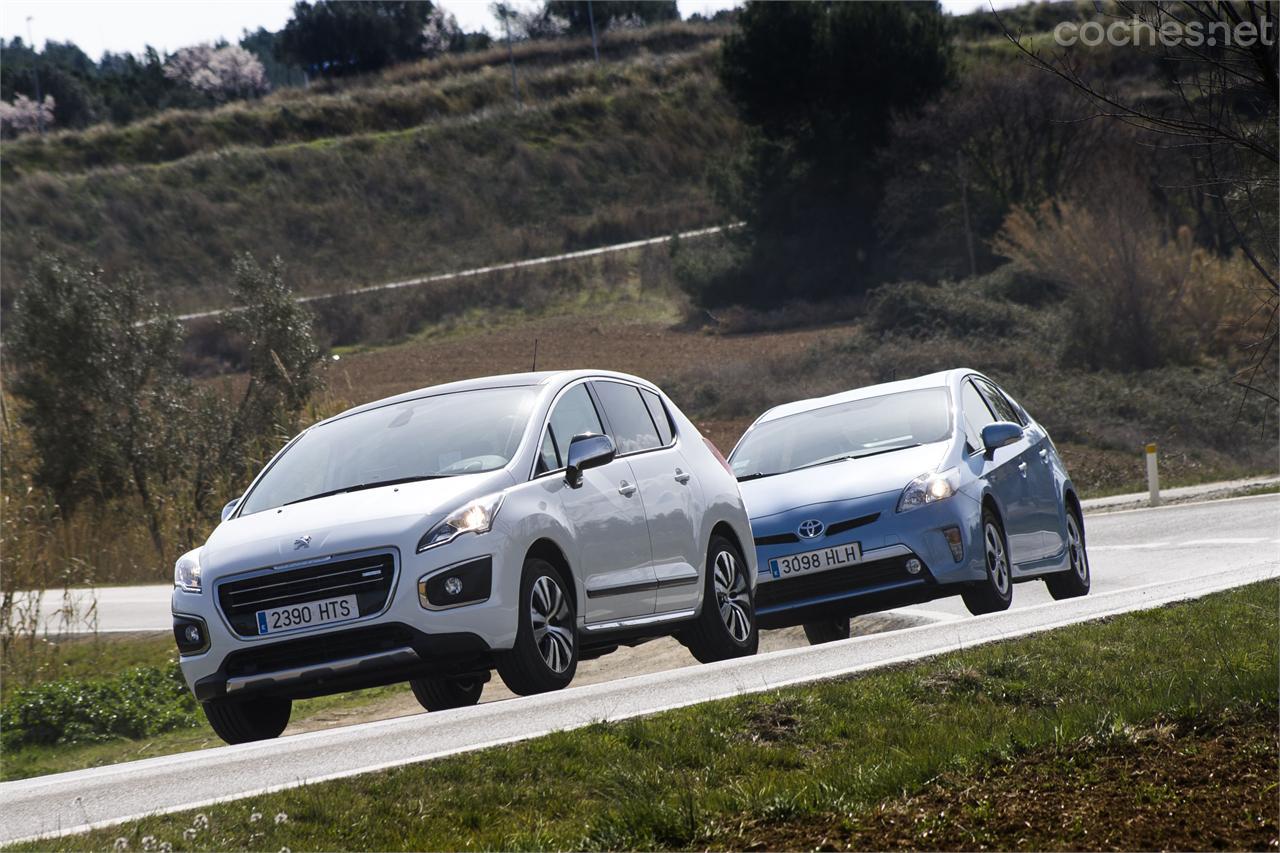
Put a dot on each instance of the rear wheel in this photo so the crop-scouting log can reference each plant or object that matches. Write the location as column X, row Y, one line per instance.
column 1075, row 581
column 245, row 720
column 995, row 592
column 827, row 630
column 545, row 654
column 441, row 694
column 726, row 627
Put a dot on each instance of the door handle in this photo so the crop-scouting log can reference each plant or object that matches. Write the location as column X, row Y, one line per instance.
column 1022, row 468
column 682, row 477
column 626, row 489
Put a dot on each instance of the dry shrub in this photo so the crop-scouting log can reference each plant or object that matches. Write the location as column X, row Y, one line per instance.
column 1137, row 298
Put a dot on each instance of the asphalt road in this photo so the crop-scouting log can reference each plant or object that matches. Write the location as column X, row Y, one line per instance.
column 1140, row 559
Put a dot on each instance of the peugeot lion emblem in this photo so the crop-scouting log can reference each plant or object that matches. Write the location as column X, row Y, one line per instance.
column 810, row 529
column 302, row 542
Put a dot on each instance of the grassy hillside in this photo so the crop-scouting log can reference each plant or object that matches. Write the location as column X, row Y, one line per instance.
column 432, row 168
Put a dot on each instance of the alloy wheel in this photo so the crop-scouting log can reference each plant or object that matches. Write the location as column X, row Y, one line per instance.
column 732, row 596
column 997, row 562
column 1075, row 544
column 551, row 618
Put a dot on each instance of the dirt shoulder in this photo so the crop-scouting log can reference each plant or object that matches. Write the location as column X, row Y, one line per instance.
column 1207, row 783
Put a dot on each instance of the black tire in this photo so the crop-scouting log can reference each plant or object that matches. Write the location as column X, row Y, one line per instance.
column 827, row 631
column 441, row 694
column 1074, row 582
column 245, row 720
column 726, row 627
column 545, row 656
column 995, row 592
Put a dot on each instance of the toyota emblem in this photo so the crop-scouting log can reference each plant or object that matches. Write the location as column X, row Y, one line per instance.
column 810, row 529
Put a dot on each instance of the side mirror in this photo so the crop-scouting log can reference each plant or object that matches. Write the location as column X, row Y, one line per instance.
column 230, row 508
column 587, row 450
column 999, row 434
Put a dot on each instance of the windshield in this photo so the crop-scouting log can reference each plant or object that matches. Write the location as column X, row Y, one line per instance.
column 468, row 432
column 844, row 430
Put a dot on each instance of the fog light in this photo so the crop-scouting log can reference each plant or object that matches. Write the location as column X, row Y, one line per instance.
column 453, row 586
column 954, row 542
column 913, row 566
column 192, row 635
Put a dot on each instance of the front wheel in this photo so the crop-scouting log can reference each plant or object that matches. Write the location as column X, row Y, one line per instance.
column 245, row 720
column 441, row 694
column 545, row 654
column 726, row 627
column 995, row 592
column 1075, row 581
column 827, row 630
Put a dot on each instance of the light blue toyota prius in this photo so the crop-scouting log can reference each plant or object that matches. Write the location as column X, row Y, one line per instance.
column 901, row 493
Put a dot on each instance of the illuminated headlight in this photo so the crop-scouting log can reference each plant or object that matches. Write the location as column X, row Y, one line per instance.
column 186, row 572
column 474, row 517
column 929, row 488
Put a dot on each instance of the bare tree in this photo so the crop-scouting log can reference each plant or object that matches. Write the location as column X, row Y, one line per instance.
column 1223, row 82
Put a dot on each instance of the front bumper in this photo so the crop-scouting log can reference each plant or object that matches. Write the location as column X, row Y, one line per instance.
column 881, row 580
column 402, row 640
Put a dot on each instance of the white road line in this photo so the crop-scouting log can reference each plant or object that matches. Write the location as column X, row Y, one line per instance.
column 925, row 613
column 512, row 265
column 1241, row 540
column 1135, row 547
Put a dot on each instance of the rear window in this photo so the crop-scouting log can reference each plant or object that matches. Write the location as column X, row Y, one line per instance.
column 630, row 423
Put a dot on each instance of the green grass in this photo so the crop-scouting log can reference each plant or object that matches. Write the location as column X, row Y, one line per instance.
column 38, row 660
column 694, row 777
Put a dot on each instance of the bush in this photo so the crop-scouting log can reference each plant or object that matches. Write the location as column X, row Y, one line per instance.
column 140, row 702
column 961, row 310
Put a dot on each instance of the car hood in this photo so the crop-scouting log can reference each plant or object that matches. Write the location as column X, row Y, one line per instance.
column 369, row 518
column 839, row 481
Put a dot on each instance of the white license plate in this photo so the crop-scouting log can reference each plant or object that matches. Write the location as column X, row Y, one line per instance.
column 816, row 561
column 296, row 616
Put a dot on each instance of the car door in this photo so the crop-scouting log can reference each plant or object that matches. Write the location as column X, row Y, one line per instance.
column 1042, row 492
column 641, row 427
column 611, row 533
column 1005, row 472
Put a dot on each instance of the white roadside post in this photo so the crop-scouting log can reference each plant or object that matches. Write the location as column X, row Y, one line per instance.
column 1153, row 475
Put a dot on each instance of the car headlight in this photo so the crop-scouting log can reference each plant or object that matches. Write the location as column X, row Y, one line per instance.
column 929, row 488
column 473, row 517
column 186, row 572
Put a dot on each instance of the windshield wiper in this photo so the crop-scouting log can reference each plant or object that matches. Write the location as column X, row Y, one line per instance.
column 756, row 476
column 362, row 486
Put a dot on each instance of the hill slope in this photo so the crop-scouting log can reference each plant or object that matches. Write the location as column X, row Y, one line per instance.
column 430, row 168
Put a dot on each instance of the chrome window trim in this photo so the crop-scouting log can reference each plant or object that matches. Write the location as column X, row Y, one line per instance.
column 546, row 421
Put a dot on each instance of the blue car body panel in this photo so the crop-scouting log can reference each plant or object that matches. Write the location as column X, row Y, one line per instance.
column 856, row 501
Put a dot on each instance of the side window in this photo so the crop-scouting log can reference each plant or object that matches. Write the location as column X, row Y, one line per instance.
column 633, row 428
column 976, row 415
column 658, row 412
column 999, row 403
column 573, row 415
column 548, row 455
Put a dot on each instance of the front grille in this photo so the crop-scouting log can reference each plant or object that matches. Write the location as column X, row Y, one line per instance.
column 367, row 577
column 308, row 651
column 860, row 521
column 777, row 539
column 832, row 529
column 862, row 577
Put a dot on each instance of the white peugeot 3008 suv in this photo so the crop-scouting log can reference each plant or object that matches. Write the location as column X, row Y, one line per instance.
column 520, row 522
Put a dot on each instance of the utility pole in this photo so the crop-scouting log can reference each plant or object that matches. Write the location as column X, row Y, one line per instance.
column 591, row 19
column 35, row 73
